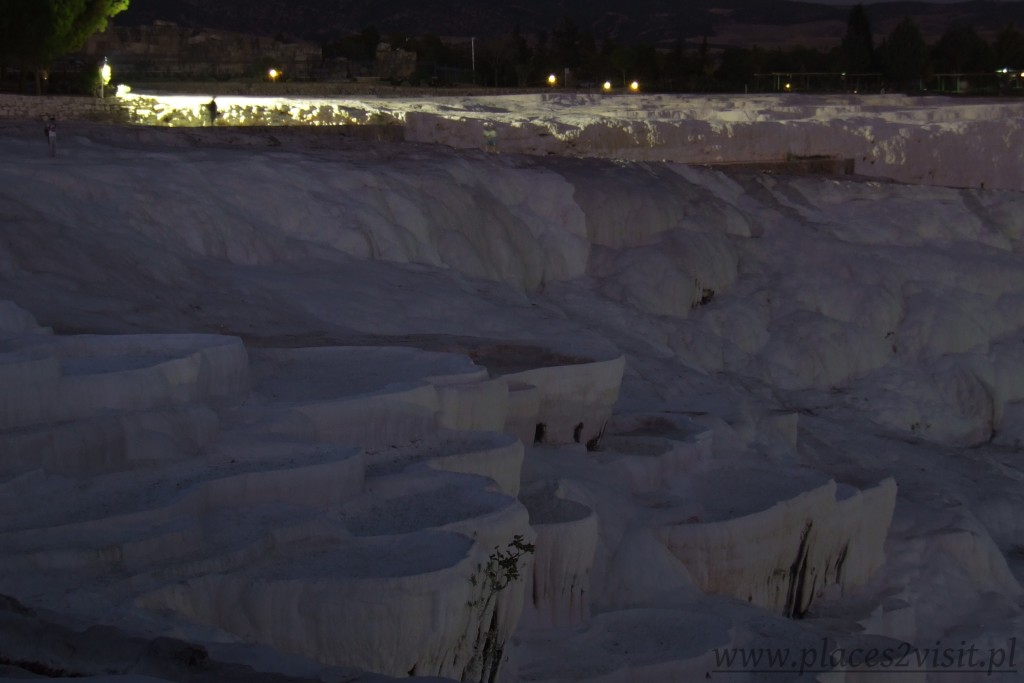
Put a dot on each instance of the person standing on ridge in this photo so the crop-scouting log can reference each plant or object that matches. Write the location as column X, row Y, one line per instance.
column 51, row 135
column 211, row 109
column 490, row 137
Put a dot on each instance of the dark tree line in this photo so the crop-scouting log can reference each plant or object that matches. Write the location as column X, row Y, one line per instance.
column 902, row 59
column 34, row 33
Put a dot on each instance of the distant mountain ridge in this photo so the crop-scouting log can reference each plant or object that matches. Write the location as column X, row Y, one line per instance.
column 654, row 21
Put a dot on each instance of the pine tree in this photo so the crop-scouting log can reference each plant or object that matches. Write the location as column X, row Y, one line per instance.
column 1009, row 48
column 858, row 46
column 904, row 55
column 962, row 50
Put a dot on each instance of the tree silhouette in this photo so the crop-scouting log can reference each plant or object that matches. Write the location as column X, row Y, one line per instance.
column 36, row 32
column 904, row 55
column 962, row 50
column 858, row 46
column 1009, row 48
column 737, row 66
column 621, row 58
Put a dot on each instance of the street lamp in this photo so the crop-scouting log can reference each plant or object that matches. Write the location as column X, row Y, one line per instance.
column 472, row 56
column 607, row 87
column 273, row 74
column 104, row 77
column 552, row 80
column 634, row 86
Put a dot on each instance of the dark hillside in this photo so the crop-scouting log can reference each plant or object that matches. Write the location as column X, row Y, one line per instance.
column 654, row 21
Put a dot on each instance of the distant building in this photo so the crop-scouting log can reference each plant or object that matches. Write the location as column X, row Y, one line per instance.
column 166, row 50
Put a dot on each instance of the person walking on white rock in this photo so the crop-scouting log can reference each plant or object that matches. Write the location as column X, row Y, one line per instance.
column 51, row 135
column 211, row 110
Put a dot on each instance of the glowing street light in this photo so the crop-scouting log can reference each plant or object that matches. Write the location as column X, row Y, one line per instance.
column 607, row 87
column 104, row 77
column 552, row 80
column 634, row 86
column 273, row 74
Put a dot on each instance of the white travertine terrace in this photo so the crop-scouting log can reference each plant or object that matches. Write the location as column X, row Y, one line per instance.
column 558, row 589
column 351, row 410
column 910, row 139
column 782, row 554
column 280, row 532
column 276, row 531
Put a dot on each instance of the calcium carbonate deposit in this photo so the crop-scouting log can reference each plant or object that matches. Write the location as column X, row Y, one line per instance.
column 628, row 395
